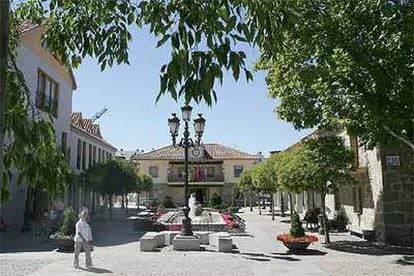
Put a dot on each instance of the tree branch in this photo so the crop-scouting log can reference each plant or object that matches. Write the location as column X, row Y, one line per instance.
column 399, row 137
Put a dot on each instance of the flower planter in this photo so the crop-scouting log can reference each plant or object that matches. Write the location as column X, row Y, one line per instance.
column 65, row 245
column 296, row 246
column 65, row 242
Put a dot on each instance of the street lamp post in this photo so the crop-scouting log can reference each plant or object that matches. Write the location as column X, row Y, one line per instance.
column 186, row 142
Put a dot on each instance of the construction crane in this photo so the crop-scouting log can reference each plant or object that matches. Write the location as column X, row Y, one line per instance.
column 99, row 114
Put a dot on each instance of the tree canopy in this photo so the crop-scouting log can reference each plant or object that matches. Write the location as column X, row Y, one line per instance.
column 348, row 62
column 246, row 182
column 320, row 164
column 264, row 176
column 114, row 177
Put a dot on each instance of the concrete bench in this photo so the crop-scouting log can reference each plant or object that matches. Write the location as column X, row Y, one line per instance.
column 186, row 243
column 214, row 237
column 151, row 240
column 225, row 244
column 221, row 241
column 203, row 236
column 169, row 236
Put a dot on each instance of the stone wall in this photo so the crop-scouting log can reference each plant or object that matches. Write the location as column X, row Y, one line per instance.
column 398, row 197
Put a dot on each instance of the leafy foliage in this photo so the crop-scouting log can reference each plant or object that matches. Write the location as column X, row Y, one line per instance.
column 321, row 164
column 296, row 229
column 68, row 222
column 215, row 200
column 246, row 182
column 146, row 182
column 30, row 146
column 112, row 177
column 348, row 62
column 264, row 176
column 202, row 36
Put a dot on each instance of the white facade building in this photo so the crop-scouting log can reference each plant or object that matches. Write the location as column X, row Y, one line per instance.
column 51, row 85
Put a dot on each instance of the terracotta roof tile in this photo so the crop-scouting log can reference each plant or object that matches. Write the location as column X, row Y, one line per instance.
column 86, row 125
column 211, row 151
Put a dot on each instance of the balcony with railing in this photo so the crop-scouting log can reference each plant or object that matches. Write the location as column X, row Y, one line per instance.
column 197, row 173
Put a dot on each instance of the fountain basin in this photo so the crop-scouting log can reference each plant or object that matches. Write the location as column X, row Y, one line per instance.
column 206, row 221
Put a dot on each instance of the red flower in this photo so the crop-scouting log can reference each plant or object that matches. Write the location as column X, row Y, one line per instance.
column 288, row 238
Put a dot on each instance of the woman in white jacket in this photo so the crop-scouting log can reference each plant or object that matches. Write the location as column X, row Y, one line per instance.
column 83, row 238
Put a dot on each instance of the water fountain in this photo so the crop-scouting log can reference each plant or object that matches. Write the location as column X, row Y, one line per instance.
column 201, row 219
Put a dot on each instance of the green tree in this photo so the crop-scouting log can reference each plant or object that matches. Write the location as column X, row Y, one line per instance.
column 348, row 62
column 145, row 185
column 114, row 177
column 265, row 179
column 328, row 60
column 321, row 164
column 246, row 186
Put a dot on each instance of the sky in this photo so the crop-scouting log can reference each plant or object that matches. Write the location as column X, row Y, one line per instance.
column 243, row 117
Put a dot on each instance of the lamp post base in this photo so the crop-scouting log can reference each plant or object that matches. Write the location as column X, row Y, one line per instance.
column 186, row 224
column 186, row 227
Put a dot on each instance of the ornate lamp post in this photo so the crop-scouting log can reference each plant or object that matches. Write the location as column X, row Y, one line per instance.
column 186, row 142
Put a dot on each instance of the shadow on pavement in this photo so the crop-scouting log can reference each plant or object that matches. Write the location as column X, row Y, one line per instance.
column 115, row 231
column 96, row 270
column 406, row 260
column 25, row 242
column 368, row 248
column 266, row 257
column 259, row 259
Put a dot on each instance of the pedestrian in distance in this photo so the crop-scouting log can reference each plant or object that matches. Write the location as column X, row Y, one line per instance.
column 83, row 239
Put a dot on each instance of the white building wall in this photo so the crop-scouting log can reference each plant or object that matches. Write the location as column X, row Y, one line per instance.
column 29, row 62
column 84, row 137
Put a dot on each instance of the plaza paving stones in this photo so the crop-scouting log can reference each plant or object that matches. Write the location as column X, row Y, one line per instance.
column 260, row 254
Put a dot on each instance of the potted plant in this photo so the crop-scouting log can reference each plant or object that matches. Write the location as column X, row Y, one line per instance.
column 64, row 236
column 296, row 240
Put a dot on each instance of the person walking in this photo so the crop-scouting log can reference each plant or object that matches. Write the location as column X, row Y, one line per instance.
column 83, row 239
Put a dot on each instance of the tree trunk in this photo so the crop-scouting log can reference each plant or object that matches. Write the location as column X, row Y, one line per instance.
column 260, row 207
column 126, row 204
column 290, row 204
column 93, row 204
column 245, row 200
column 122, row 201
column 282, row 204
column 4, row 43
column 138, row 196
column 251, row 202
column 110, row 206
column 324, row 220
column 28, row 210
column 272, row 206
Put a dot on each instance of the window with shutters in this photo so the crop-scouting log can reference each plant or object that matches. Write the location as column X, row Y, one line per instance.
column 47, row 94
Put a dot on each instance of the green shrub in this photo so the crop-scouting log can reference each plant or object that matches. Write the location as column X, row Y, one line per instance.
column 215, row 200
column 167, row 203
column 296, row 229
column 68, row 222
